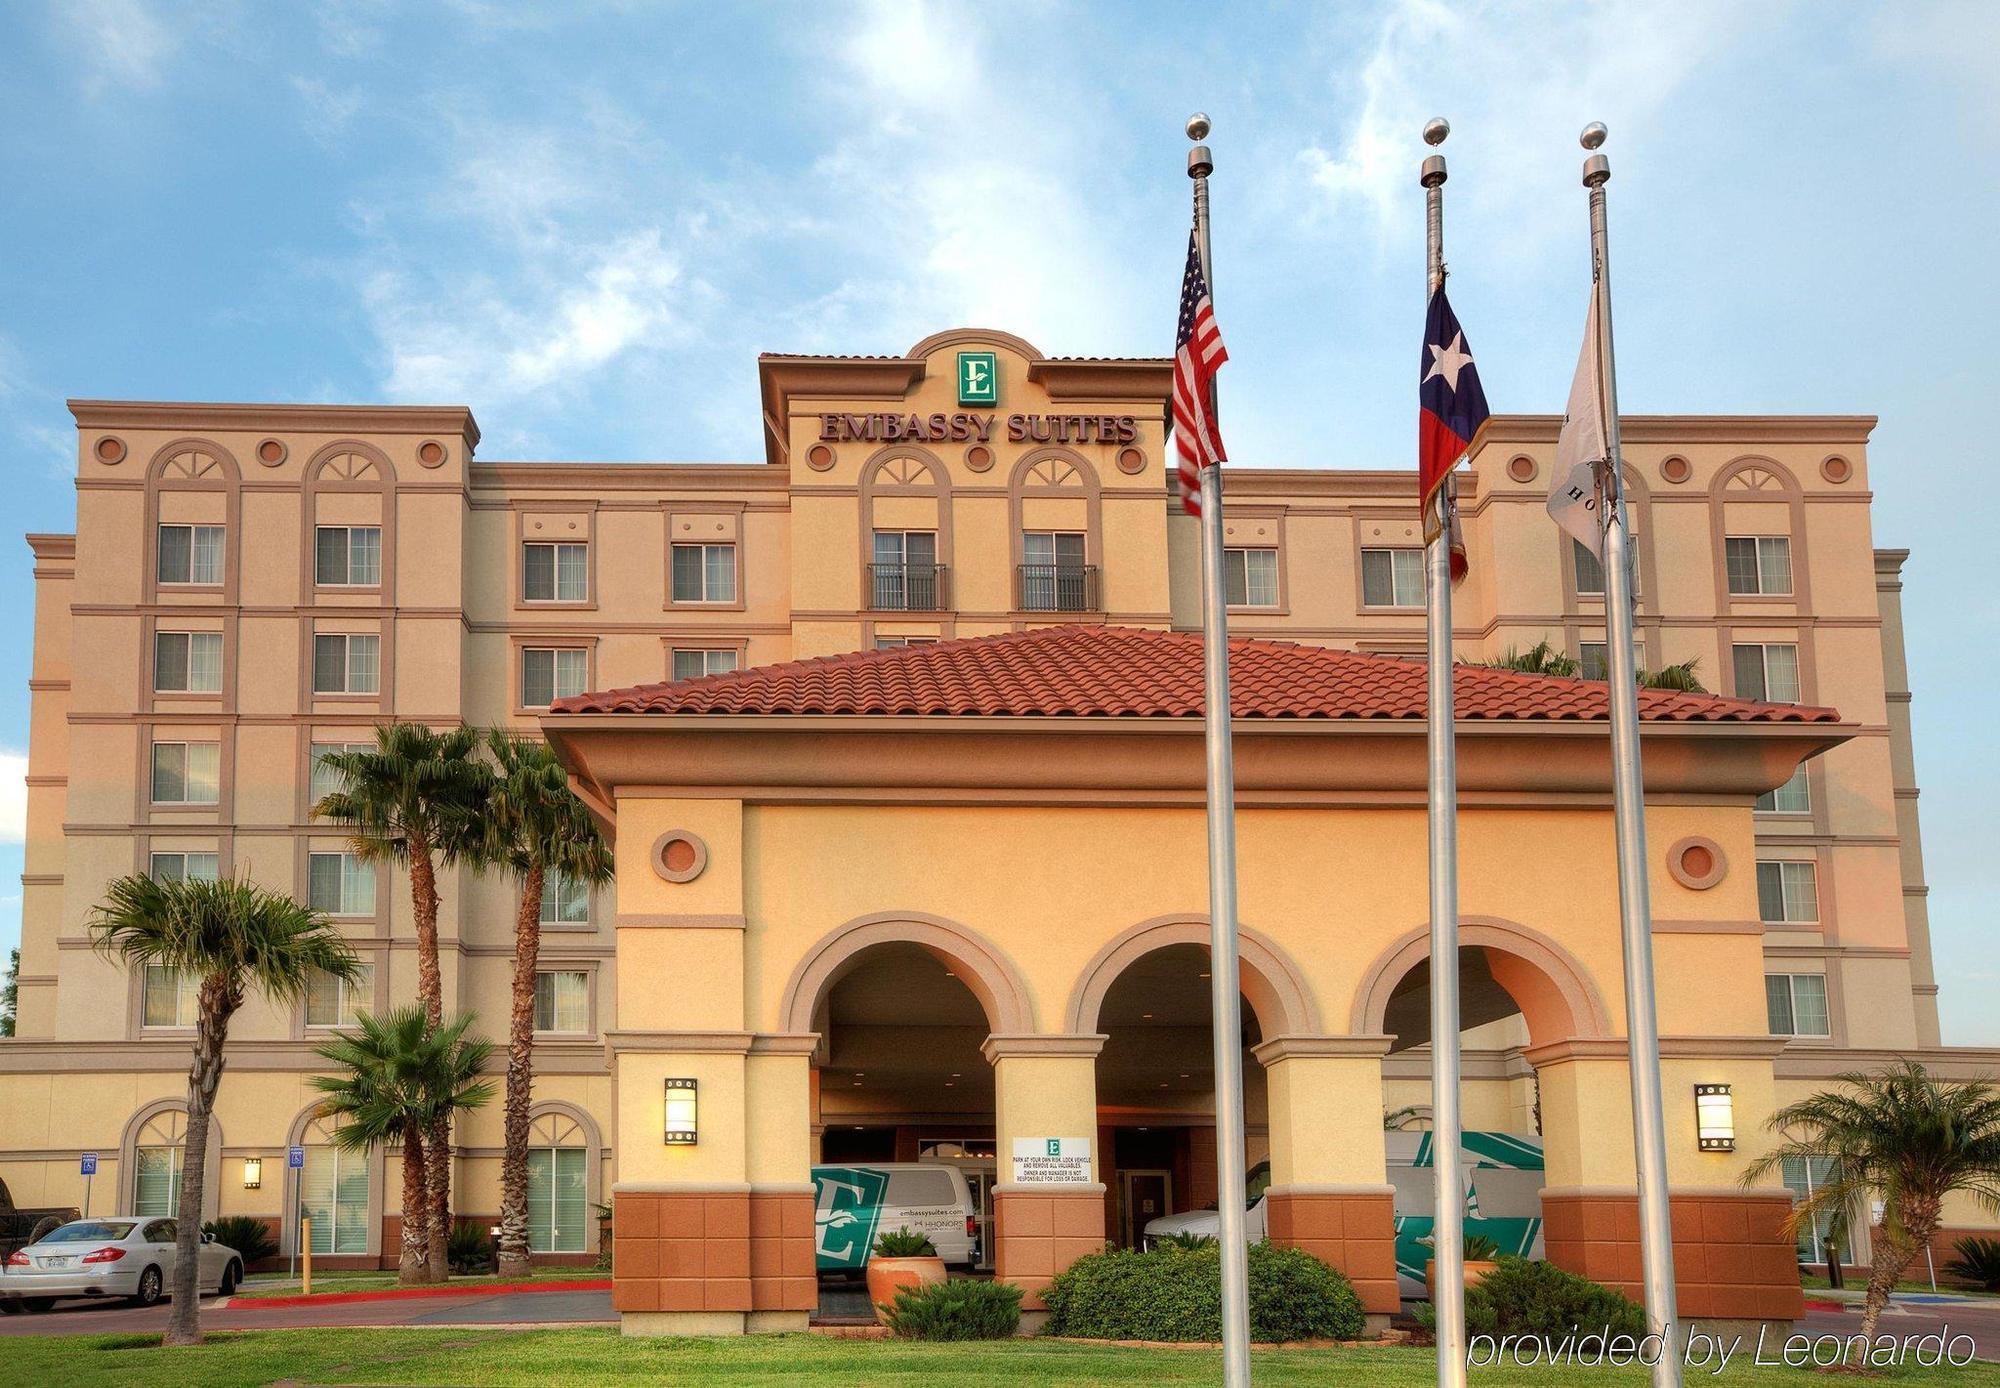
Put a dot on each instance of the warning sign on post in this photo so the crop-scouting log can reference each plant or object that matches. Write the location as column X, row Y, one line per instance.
column 1051, row 1161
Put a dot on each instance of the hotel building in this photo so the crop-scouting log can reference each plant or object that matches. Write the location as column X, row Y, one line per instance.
column 940, row 888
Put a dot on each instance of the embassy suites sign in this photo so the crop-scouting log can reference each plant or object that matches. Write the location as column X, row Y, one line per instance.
column 965, row 427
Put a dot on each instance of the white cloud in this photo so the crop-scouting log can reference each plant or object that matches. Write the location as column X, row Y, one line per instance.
column 13, row 797
column 121, row 43
column 326, row 111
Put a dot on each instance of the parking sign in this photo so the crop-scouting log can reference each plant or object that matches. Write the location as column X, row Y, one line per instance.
column 89, row 1164
column 295, row 1157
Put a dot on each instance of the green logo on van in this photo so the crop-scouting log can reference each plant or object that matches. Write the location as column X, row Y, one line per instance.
column 978, row 378
column 847, row 1207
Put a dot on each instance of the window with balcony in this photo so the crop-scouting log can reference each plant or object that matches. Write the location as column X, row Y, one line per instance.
column 1787, row 892
column 1054, row 577
column 187, row 773
column 905, row 575
column 1768, row 671
column 345, row 663
column 551, row 673
column 704, row 573
column 340, row 884
column 555, row 573
column 1797, row 1004
column 1758, row 565
column 692, row 662
column 184, row 867
column 562, row 1001
column 1250, row 577
column 347, row 556
column 1392, row 577
column 1793, row 797
column 190, row 554
column 187, row 662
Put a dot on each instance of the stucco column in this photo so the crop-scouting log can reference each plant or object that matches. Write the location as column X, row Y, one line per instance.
column 1044, row 1087
column 1733, row 1261
column 1330, row 1193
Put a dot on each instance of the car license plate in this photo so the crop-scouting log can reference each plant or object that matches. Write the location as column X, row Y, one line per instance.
column 55, row 1262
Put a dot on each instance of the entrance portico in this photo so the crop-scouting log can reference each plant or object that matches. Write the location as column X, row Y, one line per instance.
column 1023, row 813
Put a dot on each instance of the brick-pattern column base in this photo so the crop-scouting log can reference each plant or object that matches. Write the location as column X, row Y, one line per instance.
column 1038, row 1233
column 1732, row 1257
column 1354, row 1232
column 680, row 1251
column 783, row 1274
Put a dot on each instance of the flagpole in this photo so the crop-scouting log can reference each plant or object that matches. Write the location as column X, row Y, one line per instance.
column 1448, row 1229
column 1642, row 1023
column 1226, row 1002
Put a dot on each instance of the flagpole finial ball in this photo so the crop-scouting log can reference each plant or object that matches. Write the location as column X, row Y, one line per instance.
column 1198, row 126
column 1435, row 130
column 1593, row 135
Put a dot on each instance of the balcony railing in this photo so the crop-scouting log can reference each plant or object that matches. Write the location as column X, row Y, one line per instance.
column 908, row 587
column 1058, row 588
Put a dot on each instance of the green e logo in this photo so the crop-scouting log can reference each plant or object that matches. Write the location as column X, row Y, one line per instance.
column 978, row 378
column 1055, row 1146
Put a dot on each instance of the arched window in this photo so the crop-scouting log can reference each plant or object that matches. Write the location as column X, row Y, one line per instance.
column 558, row 1183
column 333, row 1190
column 158, row 1157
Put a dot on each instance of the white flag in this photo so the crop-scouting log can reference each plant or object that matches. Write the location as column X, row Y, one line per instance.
column 1580, row 447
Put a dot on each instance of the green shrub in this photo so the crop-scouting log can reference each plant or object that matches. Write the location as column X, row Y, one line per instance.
column 1176, row 1294
column 469, row 1249
column 904, row 1243
column 1978, row 1262
column 247, row 1234
column 1530, row 1299
column 1185, row 1241
column 963, row 1308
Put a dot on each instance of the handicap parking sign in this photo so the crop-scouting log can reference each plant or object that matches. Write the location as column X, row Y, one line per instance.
column 295, row 1157
column 89, row 1164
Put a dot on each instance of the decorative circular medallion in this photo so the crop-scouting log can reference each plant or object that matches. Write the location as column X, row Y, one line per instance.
column 1521, row 468
column 1131, row 461
column 819, row 457
column 679, row 856
column 431, row 453
column 109, row 450
column 1836, row 470
column 271, row 452
column 1697, row 863
column 1677, row 469
column 979, row 457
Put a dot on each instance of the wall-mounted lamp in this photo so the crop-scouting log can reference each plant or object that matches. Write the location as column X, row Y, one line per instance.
column 253, row 1173
column 683, row 1114
column 1714, row 1118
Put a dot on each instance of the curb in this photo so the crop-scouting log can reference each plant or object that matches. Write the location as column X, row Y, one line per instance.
column 274, row 1303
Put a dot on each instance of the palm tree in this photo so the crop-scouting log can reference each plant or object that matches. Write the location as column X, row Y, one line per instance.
column 235, row 937
column 400, row 1078
column 535, row 826
column 1679, row 677
column 1903, row 1135
column 1539, row 659
column 414, row 800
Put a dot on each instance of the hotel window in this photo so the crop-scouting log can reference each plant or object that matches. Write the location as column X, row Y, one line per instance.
column 1590, row 572
column 184, row 867
column 1797, row 1004
column 157, row 1155
column 691, row 663
column 1787, row 892
column 1803, row 1176
column 555, row 573
column 1250, row 577
column 565, row 901
column 1768, row 671
column 548, row 675
column 905, row 575
column 1392, row 578
column 897, row 643
column 1758, row 565
column 557, row 1169
column 347, row 664
column 340, row 884
column 187, row 773
column 173, row 999
column 348, row 556
column 1792, row 797
column 333, row 1191
column 333, row 1002
column 187, row 662
column 326, row 780
column 562, row 1001
column 190, row 554
column 1054, row 577
column 704, row 573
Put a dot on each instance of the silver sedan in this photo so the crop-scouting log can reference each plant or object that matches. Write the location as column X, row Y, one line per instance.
column 129, row 1256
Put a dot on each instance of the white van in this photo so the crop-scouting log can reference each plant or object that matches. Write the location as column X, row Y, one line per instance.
column 855, row 1205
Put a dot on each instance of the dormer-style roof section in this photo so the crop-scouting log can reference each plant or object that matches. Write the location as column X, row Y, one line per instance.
column 1121, row 672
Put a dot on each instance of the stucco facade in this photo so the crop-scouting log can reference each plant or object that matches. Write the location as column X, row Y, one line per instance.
column 486, row 589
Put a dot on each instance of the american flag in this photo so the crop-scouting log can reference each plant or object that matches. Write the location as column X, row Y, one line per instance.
column 1198, row 351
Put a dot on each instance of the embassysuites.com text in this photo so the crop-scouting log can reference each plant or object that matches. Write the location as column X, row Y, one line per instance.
column 1717, row 1351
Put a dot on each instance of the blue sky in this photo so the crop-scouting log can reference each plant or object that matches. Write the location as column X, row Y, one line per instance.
column 585, row 220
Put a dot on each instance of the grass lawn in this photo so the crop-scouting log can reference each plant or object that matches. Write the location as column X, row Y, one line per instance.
column 276, row 1284
column 542, row 1357
column 1816, row 1282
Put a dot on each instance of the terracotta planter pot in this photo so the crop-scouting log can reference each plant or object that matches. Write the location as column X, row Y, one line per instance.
column 887, row 1276
column 1475, row 1273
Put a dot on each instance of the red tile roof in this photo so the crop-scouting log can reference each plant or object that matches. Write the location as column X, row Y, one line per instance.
column 1122, row 672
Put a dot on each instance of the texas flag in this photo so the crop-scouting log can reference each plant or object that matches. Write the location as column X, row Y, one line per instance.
column 1452, row 416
